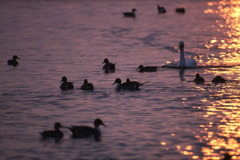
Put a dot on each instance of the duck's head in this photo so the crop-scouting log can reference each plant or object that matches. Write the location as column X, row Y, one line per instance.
column 197, row 75
column 98, row 122
column 64, row 79
column 58, row 125
column 134, row 10
column 15, row 57
column 128, row 80
column 117, row 81
column 181, row 44
column 85, row 81
column 106, row 60
column 140, row 67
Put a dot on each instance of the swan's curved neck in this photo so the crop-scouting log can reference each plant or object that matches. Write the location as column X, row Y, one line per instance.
column 182, row 62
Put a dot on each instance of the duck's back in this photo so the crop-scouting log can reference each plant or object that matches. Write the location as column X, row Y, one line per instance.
column 67, row 85
column 53, row 134
column 12, row 62
column 82, row 131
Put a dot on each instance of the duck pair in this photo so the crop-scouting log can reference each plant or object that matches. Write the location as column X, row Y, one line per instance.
column 200, row 80
column 13, row 61
column 77, row 131
column 161, row 9
column 128, row 85
column 69, row 85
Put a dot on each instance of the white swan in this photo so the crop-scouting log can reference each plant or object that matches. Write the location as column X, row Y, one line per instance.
column 185, row 63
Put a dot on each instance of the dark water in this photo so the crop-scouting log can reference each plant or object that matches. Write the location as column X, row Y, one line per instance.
column 169, row 118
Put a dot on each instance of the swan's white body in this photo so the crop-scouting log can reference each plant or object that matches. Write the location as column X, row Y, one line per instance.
column 185, row 63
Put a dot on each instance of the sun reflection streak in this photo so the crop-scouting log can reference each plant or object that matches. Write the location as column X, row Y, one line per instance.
column 221, row 134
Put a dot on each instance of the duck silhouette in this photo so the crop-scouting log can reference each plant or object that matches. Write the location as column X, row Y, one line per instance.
column 142, row 68
column 218, row 79
column 199, row 79
column 87, row 86
column 180, row 10
column 161, row 9
column 87, row 131
column 108, row 66
column 65, row 84
column 13, row 61
column 130, row 14
column 56, row 133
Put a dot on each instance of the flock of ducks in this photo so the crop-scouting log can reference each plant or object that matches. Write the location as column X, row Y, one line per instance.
column 160, row 10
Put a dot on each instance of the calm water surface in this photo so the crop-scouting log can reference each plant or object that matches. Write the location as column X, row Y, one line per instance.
column 169, row 118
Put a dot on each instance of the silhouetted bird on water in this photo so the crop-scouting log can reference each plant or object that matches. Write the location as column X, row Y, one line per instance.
column 65, row 84
column 141, row 68
column 199, row 79
column 57, row 133
column 13, row 61
column 130, row 14
column 108, row 66
column 87, row 85
column 87, row 131
column 218, row 79
column 161, row 9
column 227, row 157
column 180, row 10
column 128, row 85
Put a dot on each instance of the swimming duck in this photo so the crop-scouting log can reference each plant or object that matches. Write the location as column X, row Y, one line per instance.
column 57, row 133
column 87, row 85
column 65, row 84
column 128, row 85
column 185, row 63
column 108, row 66
column 218, row 79
column 180, row 10
column 13, row 61
column 161, row 9
column 87, row 131
column 130, row 14
column 199, row 79
column 141, row 68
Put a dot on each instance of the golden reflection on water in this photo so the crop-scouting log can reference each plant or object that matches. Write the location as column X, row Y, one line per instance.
column 222, row 133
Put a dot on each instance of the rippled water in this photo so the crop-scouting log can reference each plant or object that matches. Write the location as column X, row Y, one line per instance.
column 169, row 118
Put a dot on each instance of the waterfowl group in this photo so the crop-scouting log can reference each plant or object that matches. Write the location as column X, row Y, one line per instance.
column 13, row 61
column 128, row 85
column 77, row 131
column 160, row 9
column 65, row 84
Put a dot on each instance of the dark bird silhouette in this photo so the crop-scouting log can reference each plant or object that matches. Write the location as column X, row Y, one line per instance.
column 218, row 79
column 56, row 133
column 199, row 79
column 87, row 86
column 130, row 14
column 161, row 9
column 227, row 157
column 65, row 84
column 108, row 66
column 128, row 85
column 141, row 68
column 13, row 61
column 180, row 10
column 87, row 131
